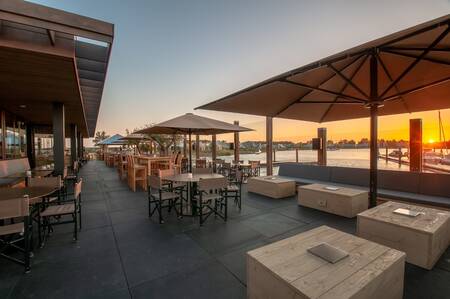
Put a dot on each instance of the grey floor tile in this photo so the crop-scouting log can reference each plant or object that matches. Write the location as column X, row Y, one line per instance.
column 272, row 224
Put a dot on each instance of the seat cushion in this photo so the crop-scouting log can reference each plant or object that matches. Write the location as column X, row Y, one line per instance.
column 435, row 184
column 165, row 195
column 312, row 172
column 350, row 176
column 59, row 210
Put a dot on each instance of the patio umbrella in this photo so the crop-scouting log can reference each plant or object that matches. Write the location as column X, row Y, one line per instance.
column 113, row 140
column 192, row 124
column 408, row 71
column 136, row 138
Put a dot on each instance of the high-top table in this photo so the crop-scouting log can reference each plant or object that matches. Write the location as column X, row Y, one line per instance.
column 148, row 161
column 191, row 180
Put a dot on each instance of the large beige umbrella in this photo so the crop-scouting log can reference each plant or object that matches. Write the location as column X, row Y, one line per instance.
column 404, row 72
column 192, row 124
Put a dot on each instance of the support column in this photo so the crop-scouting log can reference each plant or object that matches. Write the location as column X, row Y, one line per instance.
column 30, row 146
column 190, row 152
column 322, row 152
column 59, row 137
column 73, row 142
column 214, row 151
column 373, row 185
column 197, row 146
column 80, row 146
column 269, row 145
column 236, row 143
column 415, row 144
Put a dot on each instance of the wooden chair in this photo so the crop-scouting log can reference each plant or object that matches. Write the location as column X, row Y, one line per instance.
column 161, row 198
column 61, row 209
column 212, row 198
column 200, row 163
column 255, row 168
column 136, row 174
column 15, row 232
column 123, row 166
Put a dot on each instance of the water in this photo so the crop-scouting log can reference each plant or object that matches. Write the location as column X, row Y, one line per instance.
column 358, row 158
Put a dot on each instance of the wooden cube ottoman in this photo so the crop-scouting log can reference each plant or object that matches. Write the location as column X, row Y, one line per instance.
column 286, row 269
column 347, row 202
column 423, row 238
column 271, row 186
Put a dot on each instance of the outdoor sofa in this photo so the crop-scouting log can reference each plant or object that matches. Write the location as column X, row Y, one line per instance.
column 415, row 187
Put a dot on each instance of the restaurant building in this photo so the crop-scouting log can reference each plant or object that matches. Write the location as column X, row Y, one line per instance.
column 52, row 73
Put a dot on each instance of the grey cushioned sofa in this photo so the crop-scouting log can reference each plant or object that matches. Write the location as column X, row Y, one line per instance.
column 426, row 188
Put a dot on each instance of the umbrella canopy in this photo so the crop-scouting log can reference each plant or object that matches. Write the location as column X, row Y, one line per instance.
column 135, row 137
column 408, row 71
column 412, row 74
column 113, row 140
column 192, row 124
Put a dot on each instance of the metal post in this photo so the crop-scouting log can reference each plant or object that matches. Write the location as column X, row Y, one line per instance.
column 184, row 145
column 322, row 152
column 296, row 155
column 214, row 151
column 73, row 142
column 59, row 138
column 190, row 151
column 30, row 146
column 236, row 143
column 197, row 146
column 387, row 155
column 373, row 131
column 269, row 145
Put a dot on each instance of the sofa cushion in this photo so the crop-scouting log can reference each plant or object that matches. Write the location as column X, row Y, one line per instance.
column 403, row 181
column 415, row 198
column 312, row 172
column 436, row 184
column 350, row 176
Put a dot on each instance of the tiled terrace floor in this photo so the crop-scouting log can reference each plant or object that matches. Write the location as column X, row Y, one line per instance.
column 123, row 254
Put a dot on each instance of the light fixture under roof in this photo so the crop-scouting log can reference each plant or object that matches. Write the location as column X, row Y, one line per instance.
column 23, row 106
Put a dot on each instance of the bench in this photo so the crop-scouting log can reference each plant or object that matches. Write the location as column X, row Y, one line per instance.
column 9, row 167
column 416, row 187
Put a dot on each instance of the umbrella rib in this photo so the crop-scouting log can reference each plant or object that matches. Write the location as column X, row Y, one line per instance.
column 419, row 88
column 349, row 97
column 434, row 60
column 386, row 71
column 417, row 60
column 320, row 84
column 343, row 88
column 348, row 81
column 444, row 49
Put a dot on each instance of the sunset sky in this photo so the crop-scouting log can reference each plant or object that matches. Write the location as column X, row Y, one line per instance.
column 171, row 56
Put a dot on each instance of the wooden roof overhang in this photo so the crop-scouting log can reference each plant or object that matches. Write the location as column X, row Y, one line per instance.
column 48, row 55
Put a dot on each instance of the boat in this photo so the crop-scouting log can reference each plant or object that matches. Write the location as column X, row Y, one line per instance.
column 446, row 160
column 430, row 157
column 397, row 154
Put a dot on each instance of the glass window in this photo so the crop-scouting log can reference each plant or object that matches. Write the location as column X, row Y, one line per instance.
column 15, row 138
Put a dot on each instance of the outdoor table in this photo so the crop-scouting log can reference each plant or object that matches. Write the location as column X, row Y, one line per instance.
column 353, row 268
column 35, row 194
column 191, row 180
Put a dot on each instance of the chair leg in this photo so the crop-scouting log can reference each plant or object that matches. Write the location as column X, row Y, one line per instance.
column 161, row 221
column 75, row 232
column 27, row 245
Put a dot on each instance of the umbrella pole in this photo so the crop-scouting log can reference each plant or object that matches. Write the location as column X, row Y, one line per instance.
column 373, row 132
column 190, row 152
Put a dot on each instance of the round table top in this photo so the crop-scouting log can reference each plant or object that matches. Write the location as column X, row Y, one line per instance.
column 189, row 177
column 34, row 174
column 34, row 193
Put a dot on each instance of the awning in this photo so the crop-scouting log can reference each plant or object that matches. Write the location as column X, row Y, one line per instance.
column 413, row 75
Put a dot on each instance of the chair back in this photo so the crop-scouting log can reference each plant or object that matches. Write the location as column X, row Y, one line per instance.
column 75, row 167
column 77, row 189
column 65, row 173
column 200, row 163
column 53, row 182
column 197, row 170
column 212, row 184
column 163, row 173
column 239, row 176
column 254, row 164
column 12, row 208
column 154, row 182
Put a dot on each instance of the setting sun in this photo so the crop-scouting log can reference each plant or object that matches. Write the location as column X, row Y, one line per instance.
column 430, row 141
